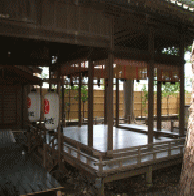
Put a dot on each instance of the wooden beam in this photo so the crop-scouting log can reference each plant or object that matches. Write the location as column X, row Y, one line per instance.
column 150, row 84
column 90, row 104
column 20, row 73
column 36, row 70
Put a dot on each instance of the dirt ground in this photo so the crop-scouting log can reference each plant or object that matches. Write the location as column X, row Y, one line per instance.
column 165, row 183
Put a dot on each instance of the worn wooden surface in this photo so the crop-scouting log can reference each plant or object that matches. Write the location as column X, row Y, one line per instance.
column 20, row 169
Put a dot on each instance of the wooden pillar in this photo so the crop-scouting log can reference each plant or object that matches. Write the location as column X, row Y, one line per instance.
column 90, row 103
column 101, row 189
column 159, row 105
column 59, row 130
column 79, row 109
column 128, row 93
column 63, row 104
column 110, row 87
column 23, row 106
column 117, row 102
column 182, row 83
column 41, row 112
column 50, row 76
column 105, row 100
column 149, row 177
column 150, row 84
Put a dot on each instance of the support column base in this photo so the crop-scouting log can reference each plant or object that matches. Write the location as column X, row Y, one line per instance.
column 99, row 184
column 149, row 177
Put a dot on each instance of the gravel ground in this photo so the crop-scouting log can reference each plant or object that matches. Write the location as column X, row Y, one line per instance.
column 165, row 182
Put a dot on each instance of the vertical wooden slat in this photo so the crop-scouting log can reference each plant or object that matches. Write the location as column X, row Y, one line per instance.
column 90, row 103
column 150, row 84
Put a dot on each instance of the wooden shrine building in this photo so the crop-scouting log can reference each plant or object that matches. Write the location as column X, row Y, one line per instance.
column 121, row 39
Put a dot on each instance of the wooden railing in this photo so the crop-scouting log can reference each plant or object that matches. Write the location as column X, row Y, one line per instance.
column 82, row 153
column 120, row 159
column 135, row 155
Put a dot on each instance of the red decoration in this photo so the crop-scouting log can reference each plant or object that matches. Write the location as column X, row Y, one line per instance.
column 46, row 106
column 28, row 102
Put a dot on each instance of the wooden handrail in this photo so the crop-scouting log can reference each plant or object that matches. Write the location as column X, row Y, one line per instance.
column 139, row 155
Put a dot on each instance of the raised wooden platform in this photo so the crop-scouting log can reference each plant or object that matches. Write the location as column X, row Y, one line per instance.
column 144, row 129
column 131, row 155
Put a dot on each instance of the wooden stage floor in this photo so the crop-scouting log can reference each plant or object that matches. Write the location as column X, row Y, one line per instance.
column 144, row 129
column 122, row 138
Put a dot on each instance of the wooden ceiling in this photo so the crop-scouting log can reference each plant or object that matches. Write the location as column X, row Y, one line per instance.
column 72, row 30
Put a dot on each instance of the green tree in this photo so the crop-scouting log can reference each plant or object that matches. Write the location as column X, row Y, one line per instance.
column 144, row 98
column 84, row 95
column 169, row 89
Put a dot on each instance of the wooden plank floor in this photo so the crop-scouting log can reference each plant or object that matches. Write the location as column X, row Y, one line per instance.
column 21, row 170
column 144, row 129
column 121, row 137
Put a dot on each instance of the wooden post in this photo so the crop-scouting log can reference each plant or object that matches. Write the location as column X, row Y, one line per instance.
column 69, row 106
column 105, row 100
column 182, row 83
column 23, row 106
column 149, row 176
column 44, row 155
column 129, row 119
column 41, row 112
column 90, row 103
column 110, row 87
column 117, row 102
column 150, row 84
column 49, row 76
column 159, row 105
column 79, row 109
column 29, row 141
column 141, row 103
column 101, row 189
column 172, row 125
column 59, row 129
column 63, row 104
column 169, row 149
